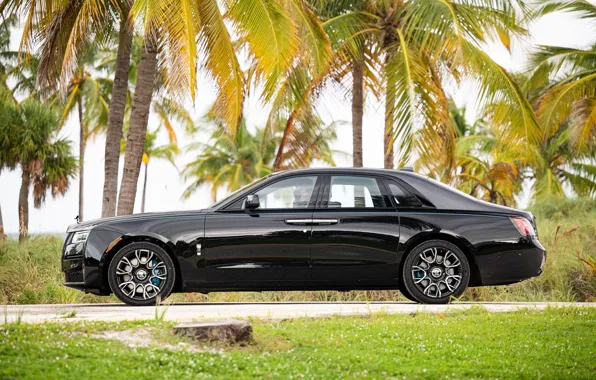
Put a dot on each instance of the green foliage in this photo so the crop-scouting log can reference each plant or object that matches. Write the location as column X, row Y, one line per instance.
column 232, row 160
column 417, row 47
column 28, row 139
column 555, row 343
column 30, row 273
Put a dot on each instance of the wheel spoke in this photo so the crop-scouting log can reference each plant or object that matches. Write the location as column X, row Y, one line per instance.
column 125, row 285
column 451, row 264
column 424, row 255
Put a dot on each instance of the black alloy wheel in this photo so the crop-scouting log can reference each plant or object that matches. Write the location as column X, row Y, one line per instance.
column 435, row 272
column 140, row 273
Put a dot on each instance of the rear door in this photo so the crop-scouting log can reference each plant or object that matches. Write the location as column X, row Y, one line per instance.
column 355, row 233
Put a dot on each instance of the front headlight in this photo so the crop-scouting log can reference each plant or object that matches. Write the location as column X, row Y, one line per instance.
column 80, row 237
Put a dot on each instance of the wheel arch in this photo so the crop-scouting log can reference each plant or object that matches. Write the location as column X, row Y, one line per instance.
column 459, row 241
column 128, row 239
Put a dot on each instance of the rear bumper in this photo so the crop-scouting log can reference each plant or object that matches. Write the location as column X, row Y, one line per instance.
column 514, row 261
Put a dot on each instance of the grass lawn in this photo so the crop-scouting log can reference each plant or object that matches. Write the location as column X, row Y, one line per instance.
column 556, row 343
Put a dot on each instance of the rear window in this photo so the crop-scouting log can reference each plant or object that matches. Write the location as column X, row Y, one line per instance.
column 402, row 197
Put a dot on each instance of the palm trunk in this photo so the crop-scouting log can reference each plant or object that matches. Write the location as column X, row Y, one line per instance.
column 279, row 157
column 82, row 144
column 389, row 119
column 1, row 225
column 24, row 206
column 139, row 117
column 144, row 188
column 116, row 118
column 357, row 111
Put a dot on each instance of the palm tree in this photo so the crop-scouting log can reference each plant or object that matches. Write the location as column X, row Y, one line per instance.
column 88, row 94
column 352, row 59
column 177, row 26
column 29, row 140
column 418, row 46
column 164, row 152
column 479, row 165
column 470, row 139
column 563, row 81
column 167, row 152
column 6, row 67
column 228, row 160
column 62, row 29
column 231, row 161
column 562, row 87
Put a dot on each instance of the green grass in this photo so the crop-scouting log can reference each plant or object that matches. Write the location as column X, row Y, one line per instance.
column 554, row 344
column 30, row 272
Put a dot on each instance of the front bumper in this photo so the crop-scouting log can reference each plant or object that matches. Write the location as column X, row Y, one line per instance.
column 77, row 274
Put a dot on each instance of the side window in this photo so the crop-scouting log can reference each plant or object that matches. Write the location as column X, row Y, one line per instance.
column 349, row 192
column 402, row 197
column 288, row 193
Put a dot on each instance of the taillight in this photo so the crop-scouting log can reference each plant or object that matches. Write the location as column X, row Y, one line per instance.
column 524, row 226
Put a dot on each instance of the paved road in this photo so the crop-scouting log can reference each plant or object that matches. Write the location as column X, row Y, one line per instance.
column 198, row 311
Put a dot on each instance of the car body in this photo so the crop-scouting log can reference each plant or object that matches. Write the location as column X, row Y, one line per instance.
column 314, row 229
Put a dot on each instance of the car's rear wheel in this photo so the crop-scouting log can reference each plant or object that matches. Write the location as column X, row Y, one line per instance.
column 140, row 273
column 435, row 272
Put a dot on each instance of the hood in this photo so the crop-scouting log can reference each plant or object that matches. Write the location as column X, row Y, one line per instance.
column 124, row 218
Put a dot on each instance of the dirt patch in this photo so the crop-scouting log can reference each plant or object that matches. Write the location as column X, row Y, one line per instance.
column 148, row 337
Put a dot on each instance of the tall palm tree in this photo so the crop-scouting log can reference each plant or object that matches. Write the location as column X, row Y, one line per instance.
column 62, row 29
column 88, row 96
column 176, row 26
column 29, row 140
column 353, row 61
column 419, row 46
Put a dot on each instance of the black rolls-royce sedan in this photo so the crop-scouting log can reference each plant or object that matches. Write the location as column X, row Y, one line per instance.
column 311, row 229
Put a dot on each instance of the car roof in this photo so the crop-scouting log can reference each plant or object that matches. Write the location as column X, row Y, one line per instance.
column 391, row 172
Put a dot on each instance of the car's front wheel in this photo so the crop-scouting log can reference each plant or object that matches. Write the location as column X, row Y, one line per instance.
column 435, row 272
column 140, row 273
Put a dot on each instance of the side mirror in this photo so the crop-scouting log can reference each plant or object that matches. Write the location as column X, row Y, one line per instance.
column 251, row 202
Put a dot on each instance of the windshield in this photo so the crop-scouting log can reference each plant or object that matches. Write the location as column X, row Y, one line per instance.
column 232, row 195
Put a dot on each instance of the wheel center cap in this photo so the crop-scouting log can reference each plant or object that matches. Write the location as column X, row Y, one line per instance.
column 436, row 272
column 141, row 274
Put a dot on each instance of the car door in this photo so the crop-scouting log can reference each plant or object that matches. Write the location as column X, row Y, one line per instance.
column 269, row 244
column 355, row 233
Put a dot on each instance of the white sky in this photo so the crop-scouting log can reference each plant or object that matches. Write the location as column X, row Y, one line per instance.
column 165, row 185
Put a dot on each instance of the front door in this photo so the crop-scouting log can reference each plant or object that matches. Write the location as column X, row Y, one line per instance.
column 269, row 244
column 355, row 234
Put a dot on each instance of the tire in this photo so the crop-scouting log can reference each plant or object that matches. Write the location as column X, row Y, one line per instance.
column 435, row 272
column 141, row 282
column 405, row 292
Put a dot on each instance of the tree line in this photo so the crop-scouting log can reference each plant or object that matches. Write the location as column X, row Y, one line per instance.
column 113, row 62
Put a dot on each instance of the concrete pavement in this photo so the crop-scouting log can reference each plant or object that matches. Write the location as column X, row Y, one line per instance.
column 201, row 311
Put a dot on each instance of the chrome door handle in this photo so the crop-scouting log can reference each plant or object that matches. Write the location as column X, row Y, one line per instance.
column 324, row 221
column 299, row 221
